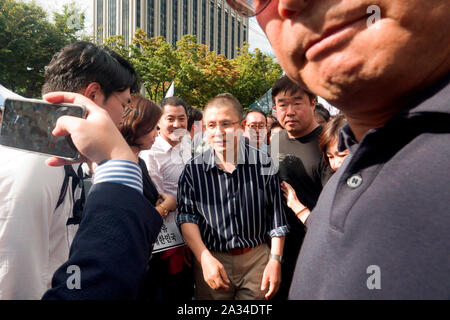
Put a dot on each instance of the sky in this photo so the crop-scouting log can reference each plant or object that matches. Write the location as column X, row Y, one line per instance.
column 257, row 38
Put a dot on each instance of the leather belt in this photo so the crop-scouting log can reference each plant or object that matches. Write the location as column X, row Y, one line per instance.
column 239, row 251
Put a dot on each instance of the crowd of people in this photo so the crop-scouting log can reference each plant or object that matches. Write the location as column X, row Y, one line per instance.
column 296, row 205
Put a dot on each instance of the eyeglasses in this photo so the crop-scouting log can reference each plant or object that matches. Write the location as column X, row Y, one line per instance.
column 211, row 126
column 248, row 8
column 256, row 126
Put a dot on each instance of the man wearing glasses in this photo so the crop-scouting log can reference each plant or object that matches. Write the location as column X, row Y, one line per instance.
column 380, row 228
column 229, row 205
column 255, row 128
column 300, row 162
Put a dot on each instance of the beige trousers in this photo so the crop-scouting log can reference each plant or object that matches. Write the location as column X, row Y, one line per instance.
column 245, row 272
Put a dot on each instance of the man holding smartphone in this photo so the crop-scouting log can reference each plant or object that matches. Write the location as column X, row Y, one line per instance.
column 33, row 234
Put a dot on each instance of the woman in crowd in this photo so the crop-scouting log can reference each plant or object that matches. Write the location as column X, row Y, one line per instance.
column 139, row 128
column 321, row 114
column 328, row 143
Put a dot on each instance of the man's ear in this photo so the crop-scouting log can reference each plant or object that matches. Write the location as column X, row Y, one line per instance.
column 94, row 92
column 243, row 124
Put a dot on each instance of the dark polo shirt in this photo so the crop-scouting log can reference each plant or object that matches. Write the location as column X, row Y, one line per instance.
column 381, row 227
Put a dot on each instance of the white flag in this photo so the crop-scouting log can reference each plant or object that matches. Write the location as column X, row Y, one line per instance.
column 171, row 90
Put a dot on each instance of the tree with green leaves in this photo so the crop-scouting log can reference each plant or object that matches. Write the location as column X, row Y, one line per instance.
column 155, row 62
column 202, row 74
column 71, row 22
column 198, row 73
column 153, row 58
column 257, row 72
column 27, row 43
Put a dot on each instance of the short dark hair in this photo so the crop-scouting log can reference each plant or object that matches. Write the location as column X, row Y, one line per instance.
column 284, row 84
column 174, row 101
column 193, row 114
column 139, row 119
column 322, row 111
column 226, row 99
column 255, row 110
column 275, row 124
column 80, row 63
column 271, row 116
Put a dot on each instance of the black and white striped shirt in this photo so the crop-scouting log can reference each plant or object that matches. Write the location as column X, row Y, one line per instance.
column 233, row 210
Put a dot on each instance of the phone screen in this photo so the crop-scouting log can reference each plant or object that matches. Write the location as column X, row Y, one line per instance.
column 28, row 125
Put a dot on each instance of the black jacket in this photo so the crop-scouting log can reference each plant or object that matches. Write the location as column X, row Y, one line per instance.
column 111, row 248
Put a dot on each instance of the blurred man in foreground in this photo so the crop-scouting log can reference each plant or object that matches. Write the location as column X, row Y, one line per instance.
column 375, row 232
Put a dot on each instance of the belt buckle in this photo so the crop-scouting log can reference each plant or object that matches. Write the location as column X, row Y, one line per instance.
column 239, row 251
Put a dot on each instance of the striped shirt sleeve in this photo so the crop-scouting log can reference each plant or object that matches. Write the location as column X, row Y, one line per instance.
column 187, row 210
column 120, row 171
column 278, row 222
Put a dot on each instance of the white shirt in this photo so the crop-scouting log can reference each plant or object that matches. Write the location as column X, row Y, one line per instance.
column 166, row 163
column 34, row 238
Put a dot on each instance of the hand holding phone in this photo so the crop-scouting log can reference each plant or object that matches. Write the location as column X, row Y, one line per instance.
column 27, row 124
column 96, row 137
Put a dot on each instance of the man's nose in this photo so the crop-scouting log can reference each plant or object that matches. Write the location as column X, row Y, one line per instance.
column 288, row 9
column 290, row 109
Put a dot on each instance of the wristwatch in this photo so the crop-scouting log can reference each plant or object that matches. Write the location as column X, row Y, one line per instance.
column 276, row 257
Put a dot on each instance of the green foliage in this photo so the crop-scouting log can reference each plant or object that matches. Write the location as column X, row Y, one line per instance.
column 155, row 62
column 199, row 74
column 70, row 22
column 27, row 43
column 257, row 73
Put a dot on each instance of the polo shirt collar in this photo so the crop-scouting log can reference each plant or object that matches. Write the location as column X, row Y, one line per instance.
column 434, row 99
column 346, row 138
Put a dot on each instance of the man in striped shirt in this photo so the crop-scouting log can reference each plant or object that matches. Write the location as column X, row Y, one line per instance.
column 229, row 204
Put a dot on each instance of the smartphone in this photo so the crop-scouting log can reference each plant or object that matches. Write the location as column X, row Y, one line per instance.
column 27, row 124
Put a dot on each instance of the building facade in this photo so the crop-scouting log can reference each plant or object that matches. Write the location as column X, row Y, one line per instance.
column 212, row 21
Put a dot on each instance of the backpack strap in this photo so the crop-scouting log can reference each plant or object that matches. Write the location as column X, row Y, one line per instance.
column 69, row 172
column 78, row 206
